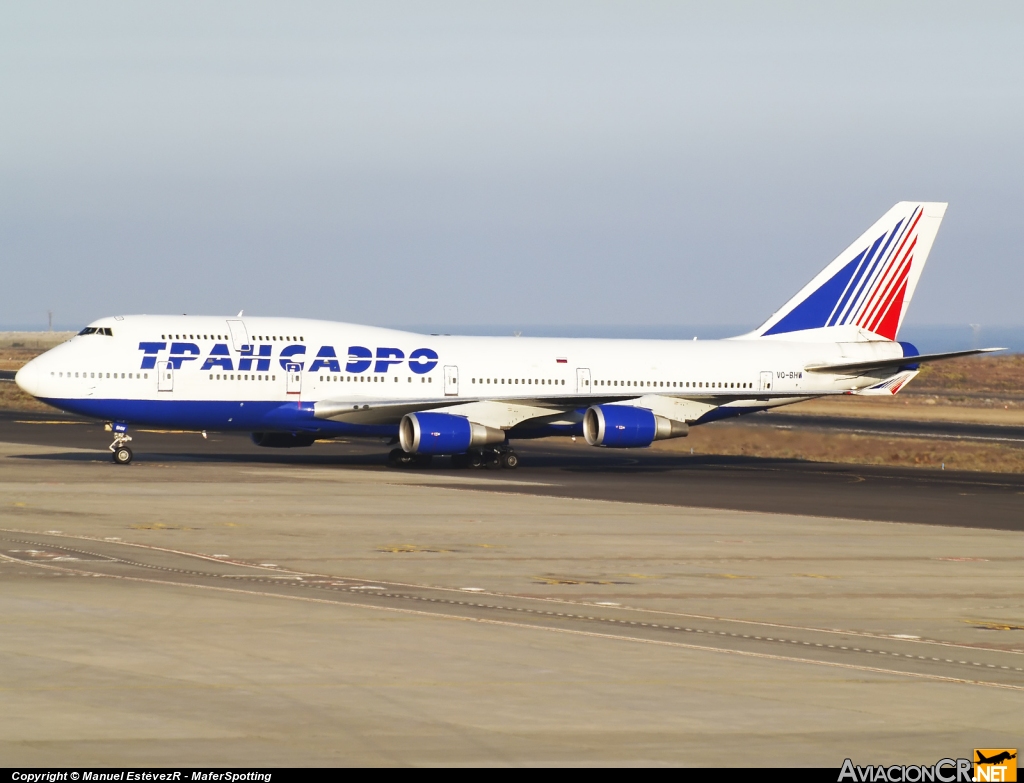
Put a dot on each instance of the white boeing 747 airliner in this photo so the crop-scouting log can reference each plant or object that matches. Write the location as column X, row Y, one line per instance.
column 292, row 381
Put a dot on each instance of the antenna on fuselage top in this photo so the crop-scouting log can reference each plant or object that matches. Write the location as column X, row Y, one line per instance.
column 239, row 313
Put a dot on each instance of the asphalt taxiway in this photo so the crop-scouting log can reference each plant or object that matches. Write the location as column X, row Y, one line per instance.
column 217, row 603
column 562, row 468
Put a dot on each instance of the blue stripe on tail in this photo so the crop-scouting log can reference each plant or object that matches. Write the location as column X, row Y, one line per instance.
column 814, row 311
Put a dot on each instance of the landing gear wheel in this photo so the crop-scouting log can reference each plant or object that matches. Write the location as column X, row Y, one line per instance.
column 119, row 450
column 492, row 461
column 509, row 460
column 476, row 459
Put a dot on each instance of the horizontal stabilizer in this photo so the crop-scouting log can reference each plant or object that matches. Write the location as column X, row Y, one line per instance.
column 859, row 368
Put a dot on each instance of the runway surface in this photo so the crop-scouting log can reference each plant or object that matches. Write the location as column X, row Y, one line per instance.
column 561, row 468
column 216, row 604
column 935, row 659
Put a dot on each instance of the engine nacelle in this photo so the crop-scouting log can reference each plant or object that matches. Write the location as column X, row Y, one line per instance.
column 627, row 427
column 442, row 433
column 282, row 440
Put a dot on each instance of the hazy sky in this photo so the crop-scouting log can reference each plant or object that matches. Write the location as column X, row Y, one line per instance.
column 516, row 163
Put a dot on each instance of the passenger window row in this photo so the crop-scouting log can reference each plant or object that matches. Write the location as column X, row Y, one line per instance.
column 258, row 338
column 369, row 379
column 659, row 384
column 98, row 375
column 241, row 377
column 680, row 384
column 516, row 381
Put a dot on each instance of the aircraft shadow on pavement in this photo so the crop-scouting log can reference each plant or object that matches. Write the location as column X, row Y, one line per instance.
column 362, row 460
column 617, row 464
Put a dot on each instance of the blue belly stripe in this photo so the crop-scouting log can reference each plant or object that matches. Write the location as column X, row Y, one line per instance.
column 219, row 415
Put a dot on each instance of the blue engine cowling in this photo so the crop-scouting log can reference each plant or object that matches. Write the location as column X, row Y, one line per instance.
column 442, row 433
column 627, row 427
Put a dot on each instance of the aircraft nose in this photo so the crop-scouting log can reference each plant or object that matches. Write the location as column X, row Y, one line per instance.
column 27, row 378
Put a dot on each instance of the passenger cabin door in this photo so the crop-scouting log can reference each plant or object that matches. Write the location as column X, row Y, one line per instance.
column 766, row 380
column 294, row 378
column 164, row 376
column 583, row 380
column 239, row 335
column 451, row 381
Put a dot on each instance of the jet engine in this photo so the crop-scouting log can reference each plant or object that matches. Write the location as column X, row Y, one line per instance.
column 282, row 440
column 442, row 433
column 626, row 427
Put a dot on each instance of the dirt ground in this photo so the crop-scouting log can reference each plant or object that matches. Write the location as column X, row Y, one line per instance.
column 856, row 449
column 992, row 374
column 16, row 349
column 915, row 407
column 979, row 390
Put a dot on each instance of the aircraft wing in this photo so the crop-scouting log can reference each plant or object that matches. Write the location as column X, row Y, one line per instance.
column 859, row 368
column 505, row 414
column 492, row 413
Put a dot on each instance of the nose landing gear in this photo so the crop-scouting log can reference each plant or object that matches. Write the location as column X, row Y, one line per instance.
column 120, row 452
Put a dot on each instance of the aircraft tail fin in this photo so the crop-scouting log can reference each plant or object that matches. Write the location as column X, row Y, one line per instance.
column 864, row 293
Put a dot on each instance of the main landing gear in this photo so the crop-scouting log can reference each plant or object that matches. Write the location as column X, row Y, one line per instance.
column 122, row 455
column 494, row 458
column 500, row 457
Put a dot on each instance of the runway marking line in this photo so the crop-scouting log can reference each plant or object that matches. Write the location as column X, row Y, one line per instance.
column 529, row 626
column 53, row 422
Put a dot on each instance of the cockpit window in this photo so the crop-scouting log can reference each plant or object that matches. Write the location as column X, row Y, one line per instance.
column 105, row 330
column 88, row 330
